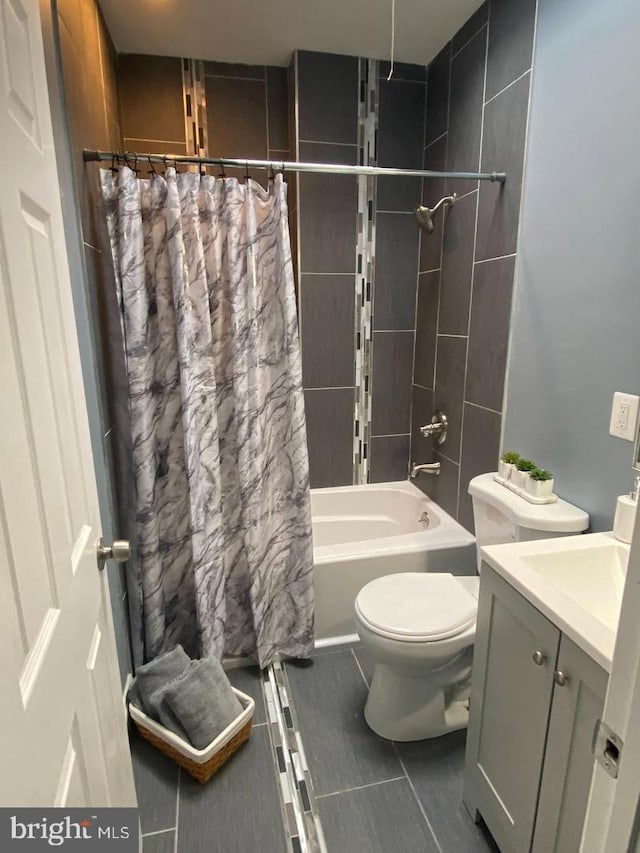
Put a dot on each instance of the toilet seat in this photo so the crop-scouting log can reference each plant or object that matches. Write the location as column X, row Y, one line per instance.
column 416, row 607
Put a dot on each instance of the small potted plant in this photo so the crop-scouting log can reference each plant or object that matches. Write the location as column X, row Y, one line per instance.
column 520, row 476
column 507, row 464
column 540, row 483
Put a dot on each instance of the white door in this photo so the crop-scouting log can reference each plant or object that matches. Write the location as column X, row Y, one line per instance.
column 614, row 804
column 63, row 737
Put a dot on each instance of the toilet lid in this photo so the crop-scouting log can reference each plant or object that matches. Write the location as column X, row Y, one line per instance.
column 416, row 606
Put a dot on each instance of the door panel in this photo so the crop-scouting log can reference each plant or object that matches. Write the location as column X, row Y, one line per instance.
column 510, row 702
column 569, row 761
column 62, row 725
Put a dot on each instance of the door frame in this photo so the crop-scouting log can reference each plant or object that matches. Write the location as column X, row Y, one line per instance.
column 612, row 812
column 84, row 311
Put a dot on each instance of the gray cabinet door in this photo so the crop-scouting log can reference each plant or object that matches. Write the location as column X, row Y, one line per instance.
column 510, row 704
column 568, row 766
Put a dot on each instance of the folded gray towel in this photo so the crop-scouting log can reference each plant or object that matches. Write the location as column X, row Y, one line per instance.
column 156, row 674
column 200, row 702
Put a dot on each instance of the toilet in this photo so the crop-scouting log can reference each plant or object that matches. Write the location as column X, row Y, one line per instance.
column 420, row 627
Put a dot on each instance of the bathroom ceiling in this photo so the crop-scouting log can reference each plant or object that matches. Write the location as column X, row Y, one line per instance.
column 266, row 32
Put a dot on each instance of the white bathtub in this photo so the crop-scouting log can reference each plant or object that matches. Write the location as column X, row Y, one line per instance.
column 363, row 532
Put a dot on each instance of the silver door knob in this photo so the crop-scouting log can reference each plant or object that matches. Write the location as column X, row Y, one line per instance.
column 119, row 552
column 538, row 658
column 560, row 678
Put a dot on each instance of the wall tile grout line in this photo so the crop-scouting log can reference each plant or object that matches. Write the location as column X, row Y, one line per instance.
column 473, row 257
column 505, row 390
column 484, row 408
column 332, row 388
column 448, row 458
column 392, row 435
column 438, row 138
column 496, row 258
column 232, row 77
column 161, row 141
column 329, row 142
column 468, row 42
column 508, row 86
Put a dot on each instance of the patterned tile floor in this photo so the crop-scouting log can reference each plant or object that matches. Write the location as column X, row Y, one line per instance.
column 312, row 778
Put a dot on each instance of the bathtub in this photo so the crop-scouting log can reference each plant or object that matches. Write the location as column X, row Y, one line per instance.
column 363, row 532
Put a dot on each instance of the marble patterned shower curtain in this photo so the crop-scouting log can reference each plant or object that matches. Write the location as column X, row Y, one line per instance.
column 205, row 280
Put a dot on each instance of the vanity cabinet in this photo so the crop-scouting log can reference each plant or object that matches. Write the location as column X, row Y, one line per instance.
column 535, row 701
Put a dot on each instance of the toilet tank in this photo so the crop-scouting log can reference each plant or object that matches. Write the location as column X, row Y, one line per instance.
column 501, row 516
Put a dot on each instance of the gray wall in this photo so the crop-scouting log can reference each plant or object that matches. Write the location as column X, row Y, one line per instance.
column 577, row 303
column 477, row 102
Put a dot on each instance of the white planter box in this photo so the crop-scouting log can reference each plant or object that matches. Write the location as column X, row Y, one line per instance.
column 520, row 478
column 505, row 470
column 539, row 488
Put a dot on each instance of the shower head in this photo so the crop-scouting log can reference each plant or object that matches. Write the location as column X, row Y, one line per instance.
column 424, row 215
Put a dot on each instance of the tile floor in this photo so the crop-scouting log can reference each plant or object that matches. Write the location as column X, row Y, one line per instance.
column 372, row 795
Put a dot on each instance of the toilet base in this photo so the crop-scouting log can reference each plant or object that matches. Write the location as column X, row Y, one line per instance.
column 406, row 708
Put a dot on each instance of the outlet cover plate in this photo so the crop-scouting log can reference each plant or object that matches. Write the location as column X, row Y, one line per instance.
column 624, row 416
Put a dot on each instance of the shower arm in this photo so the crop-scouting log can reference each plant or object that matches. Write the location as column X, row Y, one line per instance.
column 449, row 199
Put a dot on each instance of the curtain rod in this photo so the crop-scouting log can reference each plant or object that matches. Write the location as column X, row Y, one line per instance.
column 286, row 165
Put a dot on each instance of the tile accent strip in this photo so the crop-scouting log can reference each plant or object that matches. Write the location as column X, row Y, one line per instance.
column 365, row 266
column 195, row 107
column 302, row 822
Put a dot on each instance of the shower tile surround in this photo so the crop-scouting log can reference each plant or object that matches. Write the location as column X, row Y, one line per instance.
column 357, row 243
column 477, row 109
column 347, row 112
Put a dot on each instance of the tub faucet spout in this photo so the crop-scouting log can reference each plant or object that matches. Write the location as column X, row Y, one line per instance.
column 432, row 468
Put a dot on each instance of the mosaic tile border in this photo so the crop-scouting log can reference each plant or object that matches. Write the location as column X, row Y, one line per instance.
column 195, row 107
column 365, row 266
column 301, row 817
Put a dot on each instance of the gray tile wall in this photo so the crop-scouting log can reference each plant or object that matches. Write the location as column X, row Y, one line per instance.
column 326, row 87
column 326, row 130
column 477, row 107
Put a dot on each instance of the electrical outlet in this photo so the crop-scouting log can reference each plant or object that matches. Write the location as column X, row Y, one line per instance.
column 624, row 416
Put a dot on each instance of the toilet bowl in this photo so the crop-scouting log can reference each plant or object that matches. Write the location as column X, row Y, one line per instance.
column 420, row 627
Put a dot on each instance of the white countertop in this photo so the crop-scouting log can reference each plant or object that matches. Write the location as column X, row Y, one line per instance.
column 575, row 581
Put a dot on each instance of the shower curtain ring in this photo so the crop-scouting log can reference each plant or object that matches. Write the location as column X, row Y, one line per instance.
column 201, row 168
column 114, row 170
column 152, row 168
column 246, row 171
column 222, row 173
column 272, row 174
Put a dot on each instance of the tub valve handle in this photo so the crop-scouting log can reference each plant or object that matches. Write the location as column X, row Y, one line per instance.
column 436, row 428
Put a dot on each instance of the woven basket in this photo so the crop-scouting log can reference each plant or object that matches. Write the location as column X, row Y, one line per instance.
column 200, row 763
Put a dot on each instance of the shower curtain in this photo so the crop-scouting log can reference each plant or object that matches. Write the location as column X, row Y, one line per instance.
column 205, row 282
